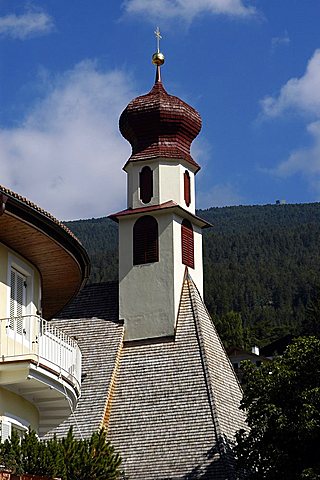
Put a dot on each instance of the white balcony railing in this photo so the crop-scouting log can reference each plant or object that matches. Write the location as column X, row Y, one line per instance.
column 32, row 337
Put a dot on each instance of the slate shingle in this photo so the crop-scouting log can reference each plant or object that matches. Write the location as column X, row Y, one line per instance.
column 175, row 406
column 170, row 406
column 100, row 342
column 99, row 300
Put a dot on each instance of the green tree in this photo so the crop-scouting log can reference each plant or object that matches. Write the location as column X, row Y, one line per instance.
column 311, row 325
column 282, row 401
column 231, row 330
column 92, row 458
column 10, row 454
column 68, row 458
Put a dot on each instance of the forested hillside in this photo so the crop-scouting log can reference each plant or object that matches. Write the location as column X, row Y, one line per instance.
column 261, row 267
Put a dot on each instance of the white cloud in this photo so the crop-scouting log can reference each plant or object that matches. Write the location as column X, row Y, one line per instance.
column 304, row 160
column 67, row 155
column 187, row 10
column 26, row 25
column 299, row 94
column 219, row 195
column 284, row 40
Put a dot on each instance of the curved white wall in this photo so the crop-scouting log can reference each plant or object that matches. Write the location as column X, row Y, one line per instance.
column 168, row 183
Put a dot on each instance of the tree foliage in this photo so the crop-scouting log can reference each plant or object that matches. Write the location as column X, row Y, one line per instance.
column 68, row 458
column 282, row 401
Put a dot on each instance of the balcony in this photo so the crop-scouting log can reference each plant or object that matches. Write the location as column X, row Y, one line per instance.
column 42, row 364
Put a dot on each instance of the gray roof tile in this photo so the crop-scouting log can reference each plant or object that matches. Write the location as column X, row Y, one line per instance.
column 175, row 407
column 95, row 300
column 171, row 405
column 100, row 342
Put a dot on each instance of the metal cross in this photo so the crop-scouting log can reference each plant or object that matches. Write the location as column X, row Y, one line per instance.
column 157, row 34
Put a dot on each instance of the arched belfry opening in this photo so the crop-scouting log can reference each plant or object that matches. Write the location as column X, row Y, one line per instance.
column 187, row 243
column 187, row 188
column 145, row 241
column 146, row 184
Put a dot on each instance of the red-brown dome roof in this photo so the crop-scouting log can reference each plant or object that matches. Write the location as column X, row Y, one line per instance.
column 160, row 125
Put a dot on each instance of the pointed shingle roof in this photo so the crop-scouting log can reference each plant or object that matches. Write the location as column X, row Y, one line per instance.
column 175, row 410
column 171, row 406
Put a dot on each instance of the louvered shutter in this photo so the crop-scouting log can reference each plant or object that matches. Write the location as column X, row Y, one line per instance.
column 5, row 430
column 187, row 244
column 187, row 190
column 12, row 298
column 145, row 241
column 17, row 300
column 146, row 184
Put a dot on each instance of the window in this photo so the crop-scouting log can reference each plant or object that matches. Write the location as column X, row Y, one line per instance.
column 10, row 423
column 187, row 191
column 187, row 243
column 145, row 240
column 20, row 298
column 146, row 184
column 5, row 430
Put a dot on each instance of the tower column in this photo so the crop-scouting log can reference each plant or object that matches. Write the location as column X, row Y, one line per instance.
column 159, row 234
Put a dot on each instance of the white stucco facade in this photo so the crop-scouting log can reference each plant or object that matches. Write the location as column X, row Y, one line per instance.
column 149, row 294
column 168, row 183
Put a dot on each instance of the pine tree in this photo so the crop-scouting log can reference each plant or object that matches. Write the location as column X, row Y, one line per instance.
column 30, row 449
column 10, row 454
column 68, row 458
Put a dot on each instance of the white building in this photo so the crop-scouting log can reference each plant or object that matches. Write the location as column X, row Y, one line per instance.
column 42, row 267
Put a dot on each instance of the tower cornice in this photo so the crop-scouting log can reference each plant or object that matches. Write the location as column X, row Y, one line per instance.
column 170, row 206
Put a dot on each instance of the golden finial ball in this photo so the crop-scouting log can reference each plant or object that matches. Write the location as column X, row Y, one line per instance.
column 158, row 58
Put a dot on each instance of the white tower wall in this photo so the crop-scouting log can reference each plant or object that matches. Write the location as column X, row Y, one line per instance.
column 149, row 294
column 168, row 183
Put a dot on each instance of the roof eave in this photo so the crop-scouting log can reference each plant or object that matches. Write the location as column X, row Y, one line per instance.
column 34, row 219
column 162, row 208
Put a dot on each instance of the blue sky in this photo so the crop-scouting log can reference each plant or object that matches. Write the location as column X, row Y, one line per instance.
column 69, row 67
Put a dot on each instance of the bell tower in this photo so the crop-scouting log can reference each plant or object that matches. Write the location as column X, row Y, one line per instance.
column 159, row 234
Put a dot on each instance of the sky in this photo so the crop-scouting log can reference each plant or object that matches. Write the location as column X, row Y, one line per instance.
column 69, row 67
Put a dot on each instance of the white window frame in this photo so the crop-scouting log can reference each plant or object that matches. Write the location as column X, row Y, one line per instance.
column 12, row 421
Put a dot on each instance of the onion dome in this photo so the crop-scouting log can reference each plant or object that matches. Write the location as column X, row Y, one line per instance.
column 160, row 125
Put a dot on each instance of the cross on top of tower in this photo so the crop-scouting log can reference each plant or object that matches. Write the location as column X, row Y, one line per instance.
column 158, row 57
column 159, row 37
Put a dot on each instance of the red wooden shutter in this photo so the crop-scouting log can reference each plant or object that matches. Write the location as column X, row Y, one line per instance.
column 187, row 191
column 187, row 244
column 146, row 184
column 145, row 241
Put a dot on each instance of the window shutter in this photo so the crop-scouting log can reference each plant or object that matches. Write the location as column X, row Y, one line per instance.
column 145, row 241
column 5, row 430
column 12, row 298
column 20, row 302
column 187, row 190
column 187, row 244
column 17, row 300
column 146, row 184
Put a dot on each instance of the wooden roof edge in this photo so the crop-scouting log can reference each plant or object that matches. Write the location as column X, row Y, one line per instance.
column 28, row 212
